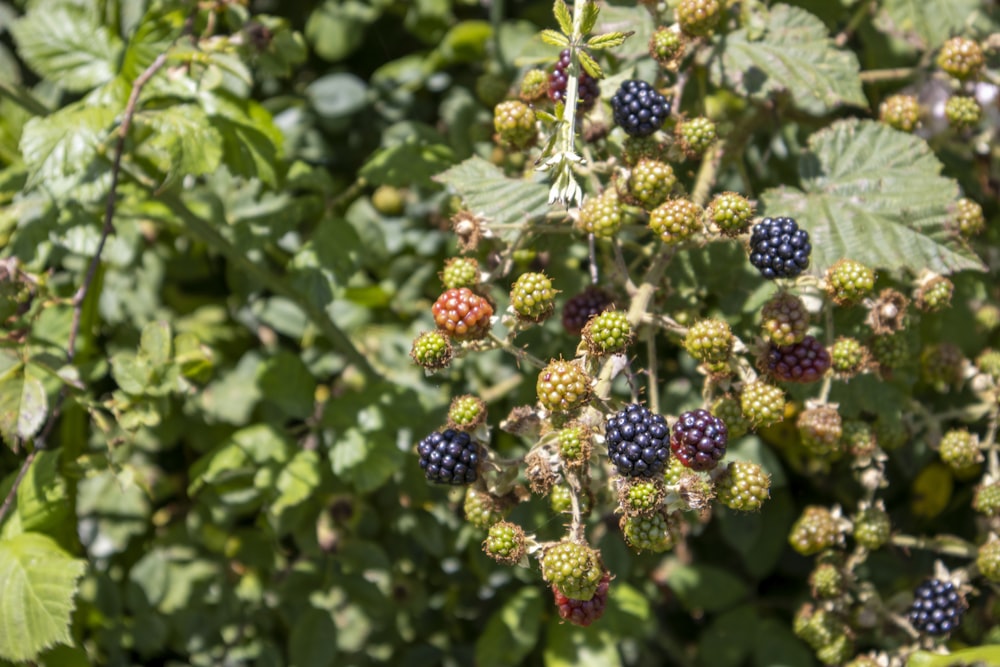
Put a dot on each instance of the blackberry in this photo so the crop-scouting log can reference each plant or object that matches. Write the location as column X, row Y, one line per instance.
column 532, row 297
column 820, row 429
column 561, row 500
column 666, row 47
column 601, row 215
column 814, row 531
column 580, row 308
column 639, row 109
column 937, row 607
column 711, row 342
column 778, row 248
column 988, row 363
column 388, row 200
column 650, row 182
column 534, row 86
column 962, row 112
column 640, row 496
column 967, row 217
column 514, row 122
column 961, row 57
column 466, row 413
column 959, row 449
column 858, row 438
column 637, row 441
column 785, row 319
column 562, row 386
column 607, row 333
column 505, row 543
column 942, row 366
column 744, row 486
column 731, row 213
column 699, row 439
column 987, row 499
column 763, row 404
column 647, row 533
column 573, row 569
column 463, row 314
column 575, row 444
column 450, row 457
column 890, row 431
column 432, row 350
column 698, row 18
column 988, row 560
column 849, row 281
column 583, row 612
column 891, row 351
column 460, row 272
column 872, row 528
column 482, row 509
column 588, row 88
column 805, row 361
column 901, row 112
column 728, row 410
column 848, row 357
column 827, row 581
column 934, row 294
column 676, row 220
column 695, row 136
column 637, row 148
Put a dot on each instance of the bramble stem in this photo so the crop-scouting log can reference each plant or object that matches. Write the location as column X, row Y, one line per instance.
column 522, row 355
column 948, row 545
column 891, row 74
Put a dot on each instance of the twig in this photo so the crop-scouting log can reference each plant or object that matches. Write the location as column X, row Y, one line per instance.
column 592, row 249
column 891, row 74
column 522, row 355
column 862, row 12
column 942, row 544
column 654, row 391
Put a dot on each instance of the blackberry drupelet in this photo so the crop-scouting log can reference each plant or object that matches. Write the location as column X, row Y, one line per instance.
column 639, row 109
column 937, row 607
column 779, row 249
column 450, row 457
column 699, row 439
column 589, row 89
column 638, row 441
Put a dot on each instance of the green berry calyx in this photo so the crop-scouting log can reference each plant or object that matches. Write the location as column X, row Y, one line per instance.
column 608, row 333
column 532, row 297
column 574, row 569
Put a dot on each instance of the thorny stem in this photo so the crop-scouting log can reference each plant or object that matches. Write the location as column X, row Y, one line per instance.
column 654, row 392
column 824, row 391
column 945, row 545
column 592, row 248
column 891, row 74
column 576, row 531
column 521, row 354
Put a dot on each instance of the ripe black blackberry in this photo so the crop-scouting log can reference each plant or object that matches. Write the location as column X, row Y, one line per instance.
column 699, row 439
column 937, row 607
column 450, row 457
column 639, row 109
column 638, row 441
column 589, row 89
column 580, row 308
column 779, row 249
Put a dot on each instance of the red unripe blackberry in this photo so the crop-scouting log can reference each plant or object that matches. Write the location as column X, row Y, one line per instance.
column 731, row 213
column 698, row 18
column 743, row 487
column 961, row 57
column 820, row 429
column 450, row 457
column 573, row 569
column 588, row 87
column 805, row 361
column 638, row 441
column 532, row 297
column 562, row 386
column 601, row 215
column 785, row 319
column 514, row 122
column 583, row 612
column 463, row 314
column 699, row 439
column 676, row 220
column 901, row 112
column 580, row 308
column 937, row 607
column 815, row 530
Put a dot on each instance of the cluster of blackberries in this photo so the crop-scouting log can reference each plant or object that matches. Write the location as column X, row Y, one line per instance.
column 779, row 249
column 450, row 457
column 937, row 607
column 589, row 89
column 638, row 441
column 639, row 109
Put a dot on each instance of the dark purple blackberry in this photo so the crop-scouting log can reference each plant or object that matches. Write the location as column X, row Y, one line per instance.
column 450, row 457
column 583, row 612
column 639, row 109
column 779, row 249
column 589, row 89
column 699, row 439
column 580, row 308
column 937, row 607
column 805, row 361
column 638, row 441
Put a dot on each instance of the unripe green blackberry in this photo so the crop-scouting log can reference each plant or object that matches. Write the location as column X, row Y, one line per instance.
column 820, row 429
column 815, row 530
column 675, row 472
column 731, row 213
column 573, row 569
column 858, row 438
column 695, row 136
column 676, row 220
column 647, row 533
column 988, row 363
column 491, row 88
column 987, row 498
column 666, row 47
column 942, row 365
column 890, row 431
column 849, row 281
column 967, row 217
column 505, row 543
column 891, row 350
column 960, row 449
column 698, row 18
column 988, row 560
column 514, row 122
column 432, row 350
column 608, row 333
column 872, row 528
column 651, row 182
column 934, row 294
column 961, row 57
column 561, row 500
column 728, row 410
column 743, row 487
column 988, row 317
column 482, row 509
column 763, row 404
column 818, row 627
column 848, row 357
column 460, row 272
column 901, row 112
column 388, row 200
column 864, row 661
column 533, row 297
column 826, row 581
column 635, row 149
column 640, row 496
column 466, row 413
column 836, row 652
column 784, row 319
column 962, row 112
column 534, row 85
column 710, row 341
column 601, row 215
column 575, row 444
column 562, row 386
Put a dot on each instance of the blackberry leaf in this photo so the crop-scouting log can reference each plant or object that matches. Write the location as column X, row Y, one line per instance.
column 927, row 23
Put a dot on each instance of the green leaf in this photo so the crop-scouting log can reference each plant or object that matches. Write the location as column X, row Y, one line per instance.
column 876, row 195
column 563, row 17
column 156, row 343
column 512, row 630
column 132, row 372
column 925, row 23
column 466, row 42
column 366, row 460
column 706, row 587
column 554, row 38
column 251, row 142
column 775, row 644
column 67, row 46
column 568, row 645
column 608, row 40
column 153, row 36
column 38, row 580
column 314, row 640
column 43, row 501
column 792, row 53
column 181, row 142
column 729, row 638
column 23, row 403
column 286, row 382
column 296, row 483
column 411, row 163
column 591, row 11
column 590, row 65
column 337, row 95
